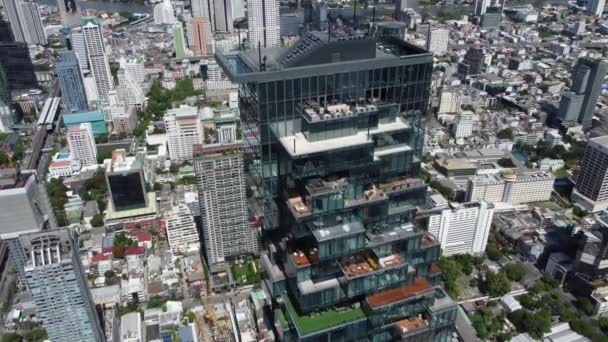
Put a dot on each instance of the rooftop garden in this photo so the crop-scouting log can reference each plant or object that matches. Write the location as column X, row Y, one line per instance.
column 319, row 321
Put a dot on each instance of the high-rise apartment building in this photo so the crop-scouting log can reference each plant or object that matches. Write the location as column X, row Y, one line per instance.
column 183, row 131
column 135, row 67
column 449, row 101
column 227, row 232
column 527, row 187
column 179, row 42
column 5, row 88
column 58, row 285
column 334, row 147
column 31, row 23
column 219, row 13
column 464, row 126
column 181, row 230
column 438, row 40
column 129, row 91
column 15, row 58
column 462, row 228
column 71, row 82
column 201, row 35
column 98, row 60
column 591, row 190
column 473, row 61
column 164, row 14
column 596, row 7
column 80, row 48
column 264, row 24
column 81, row 143
column 578, row 105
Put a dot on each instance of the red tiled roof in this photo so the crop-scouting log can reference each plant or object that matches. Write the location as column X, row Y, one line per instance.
column 60, row 163
column 135, row 251
column 143, row 237
column 418, row 287
column 99, row 257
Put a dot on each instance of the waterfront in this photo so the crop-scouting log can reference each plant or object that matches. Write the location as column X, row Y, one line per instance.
column 118, row 6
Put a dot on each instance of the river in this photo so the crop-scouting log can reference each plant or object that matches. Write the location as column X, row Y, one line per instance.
column 112, row 7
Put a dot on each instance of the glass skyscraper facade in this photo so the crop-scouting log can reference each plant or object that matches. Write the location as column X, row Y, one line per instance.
column 71, row 83
column 334, row 129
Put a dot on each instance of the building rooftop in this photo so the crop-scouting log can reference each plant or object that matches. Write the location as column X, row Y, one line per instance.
column 407, row 326
column 418, row 287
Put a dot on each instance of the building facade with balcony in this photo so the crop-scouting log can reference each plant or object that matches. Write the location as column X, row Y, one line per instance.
column 333, row 130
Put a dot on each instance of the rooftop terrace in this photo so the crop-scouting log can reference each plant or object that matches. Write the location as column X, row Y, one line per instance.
column 316, row 322
column 408, row 326
column 419, row 287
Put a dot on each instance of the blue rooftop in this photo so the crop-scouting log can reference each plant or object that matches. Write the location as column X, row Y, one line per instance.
column 95, row 118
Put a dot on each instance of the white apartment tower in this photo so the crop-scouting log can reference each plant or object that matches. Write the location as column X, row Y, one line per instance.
column 81, row 143
column 80, row 48
column 449, row 102
column 511, row 187
column 135, row 67
column 98, row 60
column 462, row 228
column 181, row 230
column 596, row 7
column 184, row 130
column 264, row 24
column 25, row 20
column 129, row 91
column 438, row 41
column 464, row 127
column 220, row 175
column 164, row 13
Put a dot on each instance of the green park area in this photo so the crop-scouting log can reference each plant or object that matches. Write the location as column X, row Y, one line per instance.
column 246, row 273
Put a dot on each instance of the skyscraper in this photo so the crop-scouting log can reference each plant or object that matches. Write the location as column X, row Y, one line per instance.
column 220, row 174
column 462, row 228
column 129, row 91
column 98, row 60
column 6, row 33
column 126, row 182
column 58, row 285
column 438, row 40
column 5, row 88
column 201, row 35
column 164, row 13
column 181, row 230
column 31, row 22
column 80, row 48
column 334, row 131
column 578, row 105
column 264, row 24
column 15, row 57
column 200, row 9
column 71, row 83
column 81, row 143
column 596, row 7
column 218, row 12
column 26, row 24
column 179, row 42
column 591, row 190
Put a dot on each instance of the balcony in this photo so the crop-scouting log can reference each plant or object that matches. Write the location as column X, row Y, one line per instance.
column 401, row 184
column 408, row 327
column 383, row 235
column 428, row 241
column 302, row 259
column 362, row 264
column 418, row 288
column 298, row 208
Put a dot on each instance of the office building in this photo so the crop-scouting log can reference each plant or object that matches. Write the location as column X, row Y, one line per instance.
column 591, row 189
column 527, row 187
column 164, row 13
column 481, row 6
column 579, row 104
column 58, row 285
column 15, row 58
column 183, row 131
column 71, row 83
column 462, row 228
column 5, row 89
column 220, row 175
column 128, row 90
column 201, row 36
column 24, row 203
column 438, row 40
column 179, row 42
column 181, row 230
column 81, row 143
column 264, row 24
column 491, row 19
column 31, row 22
column 596, row 7
column 334, row 187
column 126, row 183
column 80, row 48
column 473, row 61
column 98, row 60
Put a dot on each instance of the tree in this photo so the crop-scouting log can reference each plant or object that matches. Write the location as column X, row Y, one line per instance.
column 174, row 168
column 109, row 275
column 497, row 284
column 97, row 220
column 586, row 306
column 36, row 334
column 528, row 302
column 11, row 337
column 515, row 271
column 506, row 162
column 191, row 316
column 450, row 271
column 157, row 186
column 492, row 252
column 4, row 159
column 506, row 133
